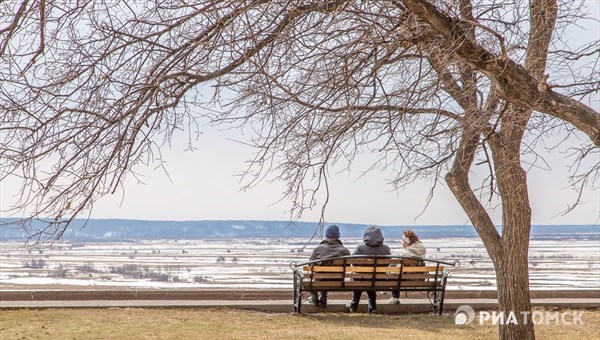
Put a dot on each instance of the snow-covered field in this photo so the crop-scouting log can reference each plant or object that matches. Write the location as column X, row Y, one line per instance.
column 263, row 263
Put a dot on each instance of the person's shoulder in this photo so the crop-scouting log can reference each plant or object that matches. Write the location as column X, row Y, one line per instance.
column 358, row 250
column 317, row 249
column 386, row 249
column 418, row 245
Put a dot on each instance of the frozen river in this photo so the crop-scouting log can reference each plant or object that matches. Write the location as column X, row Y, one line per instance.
column 262, row 263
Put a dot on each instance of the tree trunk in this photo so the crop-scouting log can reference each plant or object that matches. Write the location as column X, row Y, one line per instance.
column 509, row 252
column 512, row 271
column 513, row 296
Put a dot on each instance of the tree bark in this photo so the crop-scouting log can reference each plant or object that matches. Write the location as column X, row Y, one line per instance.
column 458, row 182
column 512, row 270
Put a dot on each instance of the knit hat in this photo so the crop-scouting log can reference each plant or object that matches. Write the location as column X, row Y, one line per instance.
column 333, row 231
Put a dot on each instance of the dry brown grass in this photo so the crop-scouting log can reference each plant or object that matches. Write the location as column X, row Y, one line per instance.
column 156, row 323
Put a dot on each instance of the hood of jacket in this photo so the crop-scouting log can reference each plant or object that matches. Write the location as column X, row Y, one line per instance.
column 373, row 237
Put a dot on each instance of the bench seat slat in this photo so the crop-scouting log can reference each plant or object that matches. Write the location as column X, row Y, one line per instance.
column 318, row 276
column 382, row 262
column 418, row 276
column 366, row 269
column 365, row 285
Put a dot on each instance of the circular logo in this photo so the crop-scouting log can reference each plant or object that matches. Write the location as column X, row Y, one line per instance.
column 464, row 315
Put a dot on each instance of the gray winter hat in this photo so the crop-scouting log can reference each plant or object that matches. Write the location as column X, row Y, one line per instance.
column 333, row 231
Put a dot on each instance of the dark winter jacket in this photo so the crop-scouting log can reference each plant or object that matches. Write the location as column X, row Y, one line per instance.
column 329, row 247
column 373, row 243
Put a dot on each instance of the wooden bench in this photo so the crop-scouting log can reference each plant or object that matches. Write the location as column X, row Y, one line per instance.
column 379, row 273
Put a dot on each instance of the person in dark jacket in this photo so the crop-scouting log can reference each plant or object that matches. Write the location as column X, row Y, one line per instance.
column 330, row 247
column 373, row 245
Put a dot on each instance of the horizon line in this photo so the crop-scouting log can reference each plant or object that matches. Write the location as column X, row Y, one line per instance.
column 293, row 222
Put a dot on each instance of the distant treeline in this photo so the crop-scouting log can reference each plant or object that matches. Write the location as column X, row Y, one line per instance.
column 121, row 230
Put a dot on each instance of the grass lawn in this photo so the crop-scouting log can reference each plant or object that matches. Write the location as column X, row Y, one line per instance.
column 192, row 323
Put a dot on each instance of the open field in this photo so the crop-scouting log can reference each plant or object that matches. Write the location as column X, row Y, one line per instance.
column 156, row 323
column 262, row 264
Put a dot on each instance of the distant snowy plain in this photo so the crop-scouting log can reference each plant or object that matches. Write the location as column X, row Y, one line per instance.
column 263, row 263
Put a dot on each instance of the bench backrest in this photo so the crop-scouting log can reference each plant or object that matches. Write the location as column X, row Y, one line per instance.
column 372, row 273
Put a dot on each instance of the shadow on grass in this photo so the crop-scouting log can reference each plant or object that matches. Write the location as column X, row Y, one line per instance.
column 423, row 322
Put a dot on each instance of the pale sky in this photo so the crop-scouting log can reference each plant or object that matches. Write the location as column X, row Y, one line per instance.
column 205, row 185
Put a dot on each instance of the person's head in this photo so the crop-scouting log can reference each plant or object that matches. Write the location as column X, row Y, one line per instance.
column 373, row 236
column 409, row 237
column 333, row 231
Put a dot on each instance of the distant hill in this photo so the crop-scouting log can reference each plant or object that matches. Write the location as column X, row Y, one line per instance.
column 117, row 229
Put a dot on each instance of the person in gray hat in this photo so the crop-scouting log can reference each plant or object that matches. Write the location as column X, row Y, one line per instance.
column 372, row 245
column 330, row 247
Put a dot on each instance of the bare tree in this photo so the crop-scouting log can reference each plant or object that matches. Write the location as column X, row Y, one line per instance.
column 436, row 88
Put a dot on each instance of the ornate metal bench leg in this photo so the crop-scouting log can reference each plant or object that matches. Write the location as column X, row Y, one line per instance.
column 434, row 301
column 297, row 294
column 436, row 306
column 443, row 294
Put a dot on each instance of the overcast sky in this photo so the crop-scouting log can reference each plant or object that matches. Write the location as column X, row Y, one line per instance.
column 205, row 185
